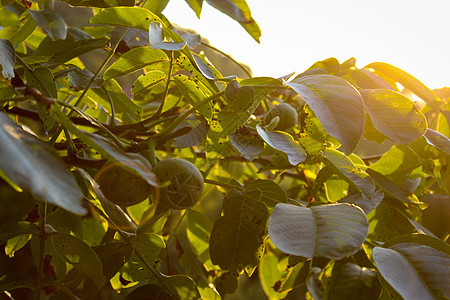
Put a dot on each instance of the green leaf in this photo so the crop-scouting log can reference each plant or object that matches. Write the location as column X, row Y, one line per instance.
column 199, row 228
column 133, row 60
column 122, row 103
column 227, row 283
column 47, row 88
column 16, row 243
column 51, row 22
column 156, row 39
column 149, row 245
column 283, row 142
column 397, row 163
column 336, row 103
column 391, row 188
column 247, row 143
column 421, row 239
column 271, row 193
column 34, row 166
column 106, row 148
column 312, row 136
column 13, row 281
column 149, row 291
column 182, row 286
column 345, row 168
column 7, row 58
column 367, row 204
column 237, row 236
column 270, row 274
column 194, row 94
column 438, row 140
column 79, row 79
column 198, row 133
column 239, row 11
column 11, row 230
column 353, row 282
column 24, row 28
column 143, row 85
column 100, row 3
column 77, row 253
column 425, row 268
column 196, row 6
column 333, row 231
column 394, row 115
column 436, row 217
column 75, row 49
column 405, row 79
column 135, row 17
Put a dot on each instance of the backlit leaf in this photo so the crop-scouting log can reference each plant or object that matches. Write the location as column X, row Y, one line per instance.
column 133, row 60
column 100, row 3
column 336, row 103
column 34, row 166
column 394, row 115
column 438, row 140
column 333, row 231
column 194, row 94
column 135, row 17
column 13, row 281
column 247, row 143
column 156, row 39
column 24, row 28
column 271, row 193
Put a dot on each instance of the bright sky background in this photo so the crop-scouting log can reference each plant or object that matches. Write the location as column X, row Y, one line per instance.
column 413, row 35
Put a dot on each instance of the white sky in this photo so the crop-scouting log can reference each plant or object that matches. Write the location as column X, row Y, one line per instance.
column 413, row 35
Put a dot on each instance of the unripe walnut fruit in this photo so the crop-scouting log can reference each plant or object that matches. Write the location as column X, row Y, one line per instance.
column 186, row 183
column 121, row 186
column 287, row 114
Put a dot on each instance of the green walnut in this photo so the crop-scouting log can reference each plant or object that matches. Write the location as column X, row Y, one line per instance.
column 287, row 114
column 186, row 183
column 121, row 186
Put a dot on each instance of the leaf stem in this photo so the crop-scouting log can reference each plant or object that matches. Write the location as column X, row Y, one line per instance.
column 166, row 92
column 112, row 122
column 230, row 58
column 31, row 70
column 223, row 184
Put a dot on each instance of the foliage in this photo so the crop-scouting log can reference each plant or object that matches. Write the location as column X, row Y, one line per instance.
column 312, row 210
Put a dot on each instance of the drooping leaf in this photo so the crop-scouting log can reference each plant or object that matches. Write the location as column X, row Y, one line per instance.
column 196, row 6
column 24, row 28
column 199, row 228
column 283, row 142
column 237, row 236
column 79, row 79
column 156, row 39
column 367, row 204
column 199, row 131
column 77, row 253
column 336, row 103
column 405, row 79
column 7, row 58
column 421, row 239
column 425, row 268
column 247, row 143
column 270, row 274
column 394, row 115
column 135, row 17
column 16, row 243
column 100, row 3
column 182, row 286
column 333, row 231
column 149, row 291
column 133, row 60
column 391, row 188
column 34, row 166
column 313, row 283
column 368, row 80
column 345, row 168
column 271, row 193
column 10, row 230
column 436, row 217
column 312, row 136
column 354, row 283
column 11, row 281
column 227, row 283
column 239, row 11
column 107, row 149
column 51, row 22
column 438, row 140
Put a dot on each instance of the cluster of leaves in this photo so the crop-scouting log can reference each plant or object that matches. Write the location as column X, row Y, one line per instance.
column 297, row 206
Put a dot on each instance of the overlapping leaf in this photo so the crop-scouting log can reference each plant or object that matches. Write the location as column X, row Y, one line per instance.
column 7, row 58
column 394, row 115
column 194, row 94
column 135, row 17
column 283, row 142
column 336, row 103
column 438, row 140
column 426, row 269
column 237, row 236
column 24, row 28
column 32, row 165
column 333, row 231
column 51, row 22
